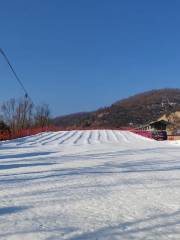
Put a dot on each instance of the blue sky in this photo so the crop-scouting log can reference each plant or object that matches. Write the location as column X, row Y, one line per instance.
column 78, row 55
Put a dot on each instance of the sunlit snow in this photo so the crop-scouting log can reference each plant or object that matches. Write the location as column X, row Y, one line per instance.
column 99, row 184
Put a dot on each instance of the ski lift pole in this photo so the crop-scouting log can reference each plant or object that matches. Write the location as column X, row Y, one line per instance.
column 15, row 74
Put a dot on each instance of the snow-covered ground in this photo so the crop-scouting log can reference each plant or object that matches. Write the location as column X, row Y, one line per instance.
column 89, row 185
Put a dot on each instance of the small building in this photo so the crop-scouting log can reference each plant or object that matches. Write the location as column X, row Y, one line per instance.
column 159, row 125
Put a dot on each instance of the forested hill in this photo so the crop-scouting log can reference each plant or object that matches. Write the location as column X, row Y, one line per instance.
column 133, row 111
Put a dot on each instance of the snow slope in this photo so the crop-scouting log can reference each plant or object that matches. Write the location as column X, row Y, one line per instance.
column 89, row 185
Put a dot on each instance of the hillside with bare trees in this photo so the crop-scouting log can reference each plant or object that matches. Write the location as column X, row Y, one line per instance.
column 133, row 111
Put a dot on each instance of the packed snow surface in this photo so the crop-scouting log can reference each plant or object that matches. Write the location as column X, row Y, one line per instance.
column 99, row 184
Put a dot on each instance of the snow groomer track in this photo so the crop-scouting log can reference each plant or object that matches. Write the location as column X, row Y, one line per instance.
column 99, row 184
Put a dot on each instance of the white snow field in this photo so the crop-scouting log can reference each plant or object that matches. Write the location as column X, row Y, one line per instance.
column 98, row 184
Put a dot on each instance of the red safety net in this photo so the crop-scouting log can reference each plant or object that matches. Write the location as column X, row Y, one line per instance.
column 33, row 131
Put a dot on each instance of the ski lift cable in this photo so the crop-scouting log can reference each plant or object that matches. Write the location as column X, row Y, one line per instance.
column 15, row 74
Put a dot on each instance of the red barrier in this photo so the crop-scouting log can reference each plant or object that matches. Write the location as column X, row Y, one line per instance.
column 5, row 136
column 147, row 134
column 33, row 131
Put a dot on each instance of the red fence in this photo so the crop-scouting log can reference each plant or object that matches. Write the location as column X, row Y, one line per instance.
column 143, row 133
column 33, row 131
column 25, row 132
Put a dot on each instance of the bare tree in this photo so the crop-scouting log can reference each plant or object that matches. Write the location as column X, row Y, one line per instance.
column 24, row 114
column 18, row 114
column 21, row 114
column 9, row 113
column 42, row 116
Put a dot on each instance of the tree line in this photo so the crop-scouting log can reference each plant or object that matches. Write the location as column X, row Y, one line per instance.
column 19, row 114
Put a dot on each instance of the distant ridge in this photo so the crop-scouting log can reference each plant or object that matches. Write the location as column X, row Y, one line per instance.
column 133, row 111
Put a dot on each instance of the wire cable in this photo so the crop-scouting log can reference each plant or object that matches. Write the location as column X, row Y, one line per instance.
column 15, row 74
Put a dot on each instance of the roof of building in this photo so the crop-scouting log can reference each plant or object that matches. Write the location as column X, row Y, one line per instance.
column 159, row 121
column 154, row 122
